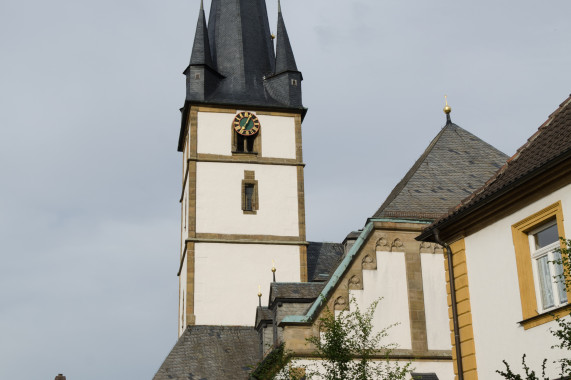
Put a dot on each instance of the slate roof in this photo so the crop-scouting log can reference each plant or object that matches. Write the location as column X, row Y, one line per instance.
column 201, row 48
column 237, row 44
column 233, row 62
column 454, row 165
column 307, row 291
column 322, row 259
column 285, row 60
column 212, row 353
column 263, row 314
column 549, row 146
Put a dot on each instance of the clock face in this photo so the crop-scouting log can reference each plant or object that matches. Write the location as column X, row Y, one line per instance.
column 246, row 124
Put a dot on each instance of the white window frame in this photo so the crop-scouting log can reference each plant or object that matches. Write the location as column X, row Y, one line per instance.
column 537, row 254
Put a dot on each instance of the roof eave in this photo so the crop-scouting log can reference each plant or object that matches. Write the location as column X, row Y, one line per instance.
column 452, row 224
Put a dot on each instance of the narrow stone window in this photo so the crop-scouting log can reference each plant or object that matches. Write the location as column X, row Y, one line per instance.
column 294, row 82
column 249, row 193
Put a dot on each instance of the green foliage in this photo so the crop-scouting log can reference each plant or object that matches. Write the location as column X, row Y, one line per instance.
column 349, row 349
column 529, row 374
column 565, row 261
column 272, row 364
column 563, row 333
column 564, row 336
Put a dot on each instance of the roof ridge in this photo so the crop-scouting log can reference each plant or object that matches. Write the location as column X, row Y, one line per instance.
column 404, row 181
column 514, row 157
column 436, row 182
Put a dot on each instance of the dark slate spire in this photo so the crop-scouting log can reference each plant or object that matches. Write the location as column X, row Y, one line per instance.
column 201, row 48
column 242, row 49
column 233, row 61
column 201, row 75
column 285, row 84
column 285, row 60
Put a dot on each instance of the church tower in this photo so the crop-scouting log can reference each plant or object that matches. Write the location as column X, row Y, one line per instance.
column 242, row 190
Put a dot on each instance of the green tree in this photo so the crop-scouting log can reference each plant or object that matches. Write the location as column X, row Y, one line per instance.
column 562, row 333
column 349, row 349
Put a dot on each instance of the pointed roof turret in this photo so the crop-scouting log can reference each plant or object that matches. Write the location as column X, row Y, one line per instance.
column 242, row 50
column 454, row 165
column 285, row 60
column 201, row 48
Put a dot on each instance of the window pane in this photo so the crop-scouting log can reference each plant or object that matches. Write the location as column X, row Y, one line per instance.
column 249, row 197
column 546, row 236
column 250, row 144
column 239, row 142
column 545, row 282
column 560, row 285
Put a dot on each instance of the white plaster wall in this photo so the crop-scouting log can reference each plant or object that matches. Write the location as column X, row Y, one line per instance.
column 215, row 134
column 227, row 278
column 495, row 297
column 435, row 301
column 278, row 136
column 182, row 291
column 389, row 282
column 219, row 200
column 444, row 370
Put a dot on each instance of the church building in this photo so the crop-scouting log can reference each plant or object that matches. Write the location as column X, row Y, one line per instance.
column 242, row 191
column 243, row 212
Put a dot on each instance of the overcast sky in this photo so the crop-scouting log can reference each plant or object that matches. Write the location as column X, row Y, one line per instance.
column 89, row 122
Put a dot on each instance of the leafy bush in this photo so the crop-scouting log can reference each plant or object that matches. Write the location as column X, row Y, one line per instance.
column 349, row 349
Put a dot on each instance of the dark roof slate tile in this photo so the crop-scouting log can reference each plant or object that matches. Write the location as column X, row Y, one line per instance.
column 322, row 260
column 212, row 353
column 307, row 291
column 551, row 143
column 263, row 314
column 455, row 164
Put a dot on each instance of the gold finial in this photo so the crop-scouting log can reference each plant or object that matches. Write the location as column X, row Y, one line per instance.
column 447, row 108
column 259, row 290
column 273, row 36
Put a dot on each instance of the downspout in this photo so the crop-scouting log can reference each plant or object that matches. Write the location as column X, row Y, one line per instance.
column 454, row 305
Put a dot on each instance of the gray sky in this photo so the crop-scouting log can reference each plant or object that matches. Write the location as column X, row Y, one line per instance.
column 89, row 121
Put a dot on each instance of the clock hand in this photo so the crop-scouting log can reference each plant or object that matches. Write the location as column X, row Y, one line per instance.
column 247, row 121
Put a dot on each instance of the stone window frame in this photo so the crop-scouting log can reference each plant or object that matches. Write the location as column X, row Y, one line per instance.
column 524, row 262
column 250, row 180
